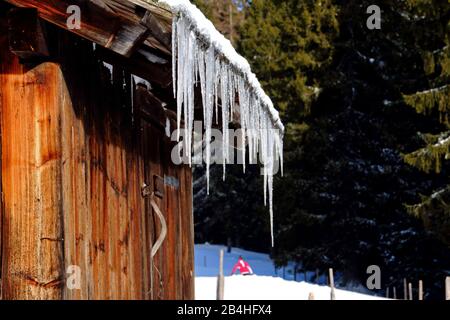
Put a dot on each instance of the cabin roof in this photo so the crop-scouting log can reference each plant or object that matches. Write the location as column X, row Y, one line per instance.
column 123, row 26
column 136, row 32
column 139, row 32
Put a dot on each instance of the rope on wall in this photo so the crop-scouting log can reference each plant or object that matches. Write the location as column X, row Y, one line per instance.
column 158, row 243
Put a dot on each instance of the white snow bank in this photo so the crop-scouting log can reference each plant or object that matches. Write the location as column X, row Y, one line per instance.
column 266, row 284
column 269, row 288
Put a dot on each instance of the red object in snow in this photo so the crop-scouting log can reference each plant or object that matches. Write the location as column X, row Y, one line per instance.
column 243, row 267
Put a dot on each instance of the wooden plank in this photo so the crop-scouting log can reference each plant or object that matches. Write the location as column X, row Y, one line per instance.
column 3, row 28
column 331, row 280
column 152, row 43
column 220, row 279
column 188, row 233
column 126, row 38
column 420, row 290
column 405, row 289
column 96, row 24
column 159, row 31
column 157, row 9
column 77, row 227
column 26, row 34
column 174, row 205
column 153, row 156
column 153, row 72
column 3, row 41
column 447, row 288
column 32, row 262
column 102, row 174
column 101, row 26
column 410, row 292
column 171, row 209
column 151, row 108
column 102, row 5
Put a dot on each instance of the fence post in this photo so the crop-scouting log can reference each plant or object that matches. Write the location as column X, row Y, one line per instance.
column 395, row 293
column 405, row 290
column 387, row 292
column 410, row 291
column 447, row 288
column 220, row 279
column 420, row 290
column 317, row 275
column 331, row 278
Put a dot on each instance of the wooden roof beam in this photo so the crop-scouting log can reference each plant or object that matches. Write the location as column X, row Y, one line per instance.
column 26, row 34
column 110, row 26
column 159, row 31
column 153, row 72
column 157, row 9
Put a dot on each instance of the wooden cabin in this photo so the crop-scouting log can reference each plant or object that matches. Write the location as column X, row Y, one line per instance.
column 85, row 158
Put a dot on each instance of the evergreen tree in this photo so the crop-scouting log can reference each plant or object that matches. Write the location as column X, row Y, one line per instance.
column 352, row 148
column 227, row 15
column 433, row 100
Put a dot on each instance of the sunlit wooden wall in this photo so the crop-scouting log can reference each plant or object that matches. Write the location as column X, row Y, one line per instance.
column 75, row 153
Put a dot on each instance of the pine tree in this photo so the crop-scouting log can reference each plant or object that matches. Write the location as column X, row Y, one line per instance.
column 433, row 100
column 290, row 44
column 352, row 145
column 341, row 88
column 227, row 15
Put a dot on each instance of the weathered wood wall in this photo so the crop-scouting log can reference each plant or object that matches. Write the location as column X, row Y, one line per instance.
column 75, row 152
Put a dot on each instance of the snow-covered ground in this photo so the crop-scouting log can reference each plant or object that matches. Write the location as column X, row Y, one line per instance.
column 266, row 284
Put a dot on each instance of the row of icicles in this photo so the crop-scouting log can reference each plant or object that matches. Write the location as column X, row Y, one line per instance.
column 195, row 62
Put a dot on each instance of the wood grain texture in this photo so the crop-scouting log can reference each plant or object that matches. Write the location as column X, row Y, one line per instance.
column 32, row 261
column 112, row 24
column 75, row 153
column 26, row 35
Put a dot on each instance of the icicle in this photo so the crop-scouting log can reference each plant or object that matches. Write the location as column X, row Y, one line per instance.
column 181, row 51
column 191, row 71
column 279, row 149
column 224, row 85
column 243, row 111
column 270, row 167
column 174, row 57
column 209, row 88
column 201, row 54
column 264, row 156
column 216, row 87
column 167, row 128
column 232, row 91
column 202, row 75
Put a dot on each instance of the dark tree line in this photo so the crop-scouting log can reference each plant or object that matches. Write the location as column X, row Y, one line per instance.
column 367, row 145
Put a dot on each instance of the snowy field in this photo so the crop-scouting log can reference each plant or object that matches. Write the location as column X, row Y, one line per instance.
column 264, row 285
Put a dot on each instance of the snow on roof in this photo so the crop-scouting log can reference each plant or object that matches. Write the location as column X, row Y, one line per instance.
column 209, row 33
